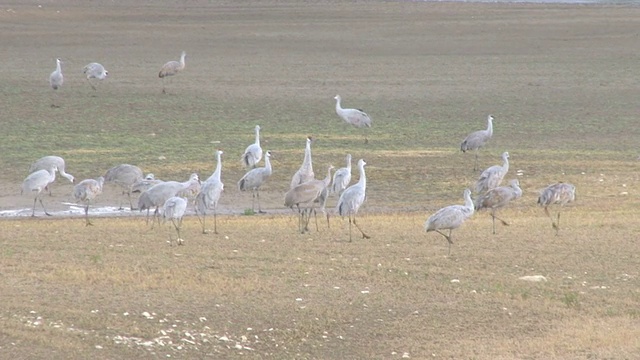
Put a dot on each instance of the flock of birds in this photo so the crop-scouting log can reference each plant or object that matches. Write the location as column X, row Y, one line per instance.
column 306, row 193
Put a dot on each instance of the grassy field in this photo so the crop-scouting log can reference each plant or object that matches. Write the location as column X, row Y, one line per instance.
column 557, row 78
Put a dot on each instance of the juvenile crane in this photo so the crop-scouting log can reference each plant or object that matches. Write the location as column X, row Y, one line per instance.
column 355, row 117
column 56, row 80
column 492, row 176
column 124, row 175
column 304, row 196
column 171, row 68
column 305, row 173
column 174, row 209
column 342, row 177
column 450, row 217
column 45, row 163
column 352, row 198
column 210, row 194
column 255, row 178
column 156, row 195
column 478, row 139
column 253, row 153
column 95, row 71
column 498, row 198
column 36, row 182
column 558, row 193
column 86, row 191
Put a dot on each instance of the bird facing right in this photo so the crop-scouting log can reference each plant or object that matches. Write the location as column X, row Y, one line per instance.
column 254, row 178
column 94, row 71
column 558, row 193
column 45, row 163
column 253, row 153
column 492, row 176
column 56, row 80
column 87, row 190
column 478, row 139
column 342, row 177
column 498, row 198
column 352, row 198
column 36, row 182
column 171, row 68
column 450, row 217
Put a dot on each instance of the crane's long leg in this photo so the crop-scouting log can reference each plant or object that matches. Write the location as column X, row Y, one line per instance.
column 92, row 86
column 33, row 213
column 202, row 221
column 259, row 207
column 215, row 219
column 41, row 203
column 556, row 225
column 86, row 215
column 177, row 226
column 349, row 227
column 163, row 89
column 448, row 237
column 364, row 236
column 130, row 203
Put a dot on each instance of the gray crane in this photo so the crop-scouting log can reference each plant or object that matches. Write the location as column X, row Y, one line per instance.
column 352, row 198
column 354, row 117
column 253, row 153
column 56, row 80
column 45, row 163
column 156, row 195
column 492, row 176
column 498, row 198
column 171, row 68
column 174, row 209
column 305, row 173
column 255, row 178
column 210, row 194
column 342, row 177
column 87, row 190
column 478, row 139
column 124, row 175
column 558, row 193
column 450, row 217
column 95, row 71
column 305, row 196
column 144, row 184
column 36, row 182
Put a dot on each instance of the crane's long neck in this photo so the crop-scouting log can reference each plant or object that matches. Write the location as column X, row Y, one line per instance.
column 182, row 64
column 307, row 163
column 65, row 175
column 517, row 191
column 52, row 173
column 338, row 107
column 363, row 177
column 216, row 173
column 267, row 164
column 327, row 179
column 505, row 165
column 258, row 137
column 468, row 202
column 349, row 164
column 58, row 67
column 490, row 127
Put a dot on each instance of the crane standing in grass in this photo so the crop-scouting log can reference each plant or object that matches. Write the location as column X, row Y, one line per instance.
column 174, row 209
column 95, row 71
column 450, row 217
column 478, row 139
column 308, row 194
column 124, row 175
column 355, row 117
column 305, row 173
column 56, row 80
column 342, row 177
column 498, row 198
column 558, row 193
column 253, row 153
column 45, row 163
column 171, row 68
column 209, row 195
column 255, row 178
column 87, row 190
column 36, row 182
column 156, row 195
column 352, row 198
column 492, row 176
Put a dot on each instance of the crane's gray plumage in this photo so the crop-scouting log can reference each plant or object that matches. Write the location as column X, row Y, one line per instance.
column 156, row 195
column 253, row 153
column 174, row 209
column 45, row 163
column 558, row 193
column 94, row 71
column 304, row 196
column 342, row 177
column 38, row 181
column 450, row 217
column 192, row 191
column 478, row 139
column 86, row 191
column 210, row 194
column 305, row 173
column 352, row 198
column 492, row 176
column 171, row 68
column 355, row 117
column 498, row 198
column 124, row 175
column 56, row 79
column 254, row 178
column 145, row 183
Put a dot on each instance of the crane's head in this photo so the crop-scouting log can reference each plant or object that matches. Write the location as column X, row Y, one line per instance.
column 490, row 118
column 337, row 97
column 258, row 127
column 505, row 155
column 309, row 139
column 267, row 154
column 362, row 163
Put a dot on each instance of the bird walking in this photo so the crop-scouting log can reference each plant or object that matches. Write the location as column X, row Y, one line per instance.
column 156, row 195
column 56, row 80
column 255, row 178
column 171, row 68
column 305, row 173
column 210, row 194
column 305, row 196
column 354, row 117
column 478, row 139
column 558, row 193
column 87, row 190
column 450, row 217
column 36, row 182
column 352, row 198
column 498, row 198
column 45, row 163
column 342, row 177
column 253, row 153
column 94, row 71
column 492, row 176
column 174, row 209
column 125, row 176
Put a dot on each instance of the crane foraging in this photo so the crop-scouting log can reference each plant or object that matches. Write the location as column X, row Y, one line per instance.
column 209, row 195
column 558, row 193
column 352, row 198
column 478, row 139
column 125, row 176
column 253, row 153
column 354, row 117
column 55, row 81
column 450, row 217
column 36, row 182
column 254, row 178
column 171, row 68
column 342, row 177
column 305, row 173
column 305, row 196
column 87, row 190
column 174, row 209
column 492, row 176
column 498, row 198
column 94, row 71
column 45, row 163
column 156, row 195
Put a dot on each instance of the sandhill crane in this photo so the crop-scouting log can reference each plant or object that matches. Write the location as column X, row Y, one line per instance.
column 56, row 80
column 253, row 153
column 492, row 176
column 192, row 191
column 144, row 184
column 352, row 198
column 355, row 117
column 174, row 209
column 94, row 71
column 558, row 193
column 478, row 139
column 450, row 217
column 45, row 163
column 342, row 177
column 210, row 194
column 254, row 178
column 304, row 196
column 171, row 68
column 305, row 173
column 156, row 195
column 124, row 175
column 87, row 190
column 498, row 198
column 36, row 182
